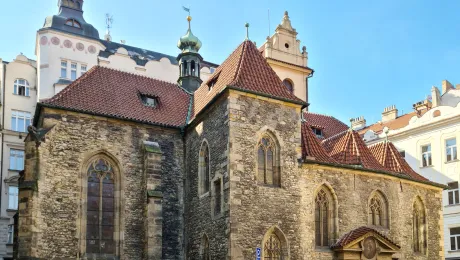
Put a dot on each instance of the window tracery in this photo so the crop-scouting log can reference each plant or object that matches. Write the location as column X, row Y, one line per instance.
column 378, row 210
column 273, row 248
column 204, row 169
column 268, row 163
column 418, row 227
column 322, row 217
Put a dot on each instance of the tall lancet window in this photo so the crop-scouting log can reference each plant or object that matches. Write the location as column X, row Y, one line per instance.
column 204, row 169
column 378, row 210
column 193, row 68
column 322, row 218
column 100, row 212
column 419, row 227
column 268, row 170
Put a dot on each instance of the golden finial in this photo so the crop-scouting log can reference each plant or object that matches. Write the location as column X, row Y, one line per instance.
column 189, row 18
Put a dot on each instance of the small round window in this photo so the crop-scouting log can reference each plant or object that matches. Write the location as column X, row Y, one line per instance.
column 288, row 85
column 286, row 45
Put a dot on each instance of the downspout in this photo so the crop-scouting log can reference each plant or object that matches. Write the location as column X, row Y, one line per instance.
column 3, row 126
column 306, row 86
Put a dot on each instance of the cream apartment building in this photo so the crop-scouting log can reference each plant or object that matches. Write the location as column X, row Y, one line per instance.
column 66, row 47
column 428, row 138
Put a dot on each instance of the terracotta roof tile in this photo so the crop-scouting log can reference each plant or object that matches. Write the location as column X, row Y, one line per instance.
column 330, row 125
column 389, row 157
column 348, row 148
column 311, row 146
column 114, row 93
column 397, row 123
column 357, row 233
column 245, row 69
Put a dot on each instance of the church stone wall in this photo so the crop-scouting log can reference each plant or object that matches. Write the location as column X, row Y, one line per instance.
column 52, row 227
column 199, row 216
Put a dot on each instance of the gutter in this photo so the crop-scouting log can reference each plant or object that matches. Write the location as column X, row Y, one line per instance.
column 3, row 135
column 351, row 167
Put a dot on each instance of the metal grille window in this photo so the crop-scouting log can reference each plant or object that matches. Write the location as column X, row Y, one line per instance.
column 453, row 193
column 21, row 87
column 451, row 150
column 426, row 155
column 20, row 121
column 16, row 160
column 13, row 193
column 204, row 169
column 272, row 248
column 268, row 170
column 455, row 239
column 63, row 69
column 73, row 71
column 322, row 219
column 100, row 208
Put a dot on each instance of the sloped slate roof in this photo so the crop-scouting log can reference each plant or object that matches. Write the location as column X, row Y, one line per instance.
column 389, row 157
column 108, row 92
column 247, row 70
column 348, row 148
column 357, row 233
column 311, row 146
column 330, row 125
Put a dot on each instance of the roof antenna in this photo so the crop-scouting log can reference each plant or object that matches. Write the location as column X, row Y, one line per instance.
column 108, row 22
column 247, row 30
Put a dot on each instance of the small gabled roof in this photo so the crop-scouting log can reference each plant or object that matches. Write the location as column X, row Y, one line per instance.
column 388, row 156
column 113, row 93
column 348, row 148
column 311, row 146
column 246, row 70
column 360, row 232
column 330, row 125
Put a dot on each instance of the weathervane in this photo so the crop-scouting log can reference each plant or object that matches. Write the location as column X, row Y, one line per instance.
column 187, row 10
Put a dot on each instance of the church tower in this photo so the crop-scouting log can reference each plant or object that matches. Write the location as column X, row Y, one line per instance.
column 189, row 60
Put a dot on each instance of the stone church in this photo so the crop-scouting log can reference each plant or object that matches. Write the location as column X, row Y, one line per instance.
column 123, row 166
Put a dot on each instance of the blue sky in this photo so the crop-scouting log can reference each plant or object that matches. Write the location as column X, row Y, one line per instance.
column 366, row 54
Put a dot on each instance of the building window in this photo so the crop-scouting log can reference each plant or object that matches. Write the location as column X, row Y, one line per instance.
column 318, row 132
column 451, row 149
column 378, row 210
column 453, row 193
column 204, row 169
column 149, row 100
column 289, row 85
column 322, row 218
column 13, row 197
column 268, row 162
column 21, row 87
column 16, row 159
column 426, row 155
column 73, row 23
column 63, row 69
column 204, row 251
column 73, row 71
column 455, row 239
column 274, row 245
column 418, row 227
column 212, row 70
column 83, row 69
column 20, row 121
column 100, row 212
column 402, row 153
column 10, row 234
column 218, row 196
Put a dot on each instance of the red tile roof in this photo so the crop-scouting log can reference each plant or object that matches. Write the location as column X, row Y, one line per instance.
column 114, row 93
column 330, row 125
column 348, row 148
column 358, row 233
column 389, row 157
column 397, row 123
column 247, row 70
column 311, row 146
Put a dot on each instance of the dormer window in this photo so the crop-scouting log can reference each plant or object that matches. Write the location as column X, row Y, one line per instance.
column 149, row 101
column 318, row 132
column 212, row 81
column 73, row 23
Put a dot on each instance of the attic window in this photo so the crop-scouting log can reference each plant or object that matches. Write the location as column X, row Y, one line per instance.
column 318, row 132
column 73, row 23
column 286, row 45
column 212, row 81
column 149, row 101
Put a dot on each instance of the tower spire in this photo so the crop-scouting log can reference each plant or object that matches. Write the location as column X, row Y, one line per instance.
column 247, row 30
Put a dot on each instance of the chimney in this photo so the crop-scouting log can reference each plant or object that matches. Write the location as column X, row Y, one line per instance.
column 446, row 86
column 457, row 86
column 358, row 123
column 389, row 113
column 435, row 97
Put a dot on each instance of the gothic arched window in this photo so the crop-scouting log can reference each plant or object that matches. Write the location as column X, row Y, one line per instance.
column 205, row 252
column 204, row 169
column 419, row 227
column 378, row 210
column 192, row 67
column 100, row 210
column 322, row 216
column 184, row 68
column 289, row 85
column 274, row 245
column 268, row 171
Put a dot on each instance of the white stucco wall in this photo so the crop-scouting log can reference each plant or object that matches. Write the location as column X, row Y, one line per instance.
column 298, row 77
